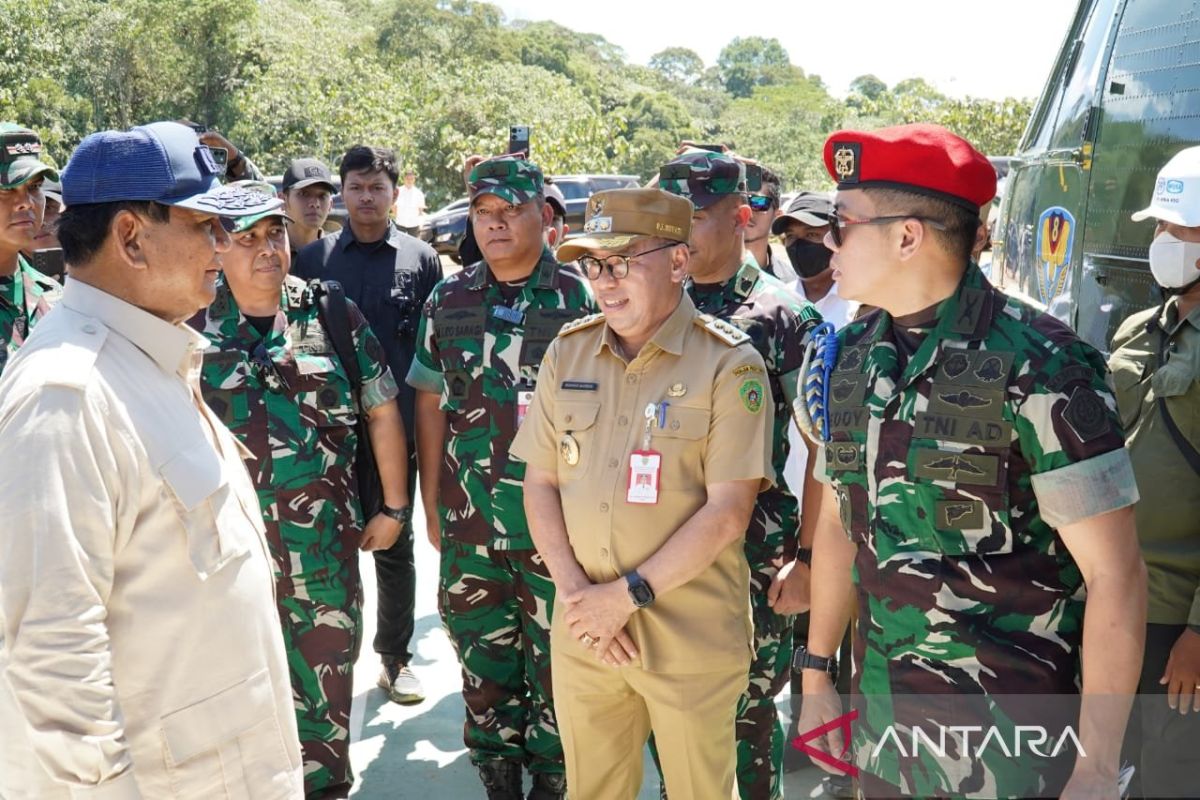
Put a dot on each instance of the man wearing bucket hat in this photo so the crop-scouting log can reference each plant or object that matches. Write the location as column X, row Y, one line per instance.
column 482, row 338
column 26, row 295
column 645, row 446
column 273, row 374
column 134, row 554
column 978, row 498
column 727, row 282
column 1155, row 366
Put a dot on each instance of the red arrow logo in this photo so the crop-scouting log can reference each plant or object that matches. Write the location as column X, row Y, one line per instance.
column 801, row 743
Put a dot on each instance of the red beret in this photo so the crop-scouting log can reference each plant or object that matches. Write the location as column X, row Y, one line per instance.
column 922, row 158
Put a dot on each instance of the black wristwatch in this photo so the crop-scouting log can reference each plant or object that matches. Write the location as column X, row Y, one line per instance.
column 402, row 515
column 802, row 659
column 639, row 591
column 804, row 555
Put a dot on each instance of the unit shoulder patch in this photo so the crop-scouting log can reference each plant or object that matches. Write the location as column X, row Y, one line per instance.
column 580, row 324
column 721, row 329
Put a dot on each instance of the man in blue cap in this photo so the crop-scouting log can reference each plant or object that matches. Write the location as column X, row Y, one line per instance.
column 144, row 654
column 25, row 294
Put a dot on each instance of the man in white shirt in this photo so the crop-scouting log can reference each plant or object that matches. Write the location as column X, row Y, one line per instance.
column 410, row 204
column 142, row 655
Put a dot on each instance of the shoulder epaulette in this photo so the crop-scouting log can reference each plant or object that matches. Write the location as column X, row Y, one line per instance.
column 72, row 365
column 580, row 324
column 721, row 329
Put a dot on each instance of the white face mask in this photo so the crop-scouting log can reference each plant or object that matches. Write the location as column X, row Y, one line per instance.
column 1173, row 262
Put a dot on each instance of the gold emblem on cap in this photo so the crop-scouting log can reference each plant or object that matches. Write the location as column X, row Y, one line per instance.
column 677, row 390
column 568, row 448
column 843, row 162
column 597, row 205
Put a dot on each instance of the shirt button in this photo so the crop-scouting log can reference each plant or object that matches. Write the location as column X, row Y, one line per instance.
column 674, row 424
column 603, row 552
column 623, row 420
column 567, row 418
column 631, row 378
column 612, row 464
column 604, row 506
column 89, row 328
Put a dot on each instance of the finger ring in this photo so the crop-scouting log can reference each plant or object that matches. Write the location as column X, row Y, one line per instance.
column 587, row 640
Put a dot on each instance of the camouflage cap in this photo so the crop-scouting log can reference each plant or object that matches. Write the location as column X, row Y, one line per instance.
column 20, row 156
column 509, row 177
column 703, row 177
column 242, row 224
column 618, row 217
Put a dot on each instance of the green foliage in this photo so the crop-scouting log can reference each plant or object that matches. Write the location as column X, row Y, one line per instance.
column 437, row 80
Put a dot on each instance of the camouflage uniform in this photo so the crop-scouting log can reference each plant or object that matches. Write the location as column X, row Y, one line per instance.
column 25, row 297
column 952, row 473
column 778, row 323
column 287, row 398
column 480, row 353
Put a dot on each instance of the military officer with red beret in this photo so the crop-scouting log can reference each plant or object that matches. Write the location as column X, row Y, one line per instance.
column 978, row 496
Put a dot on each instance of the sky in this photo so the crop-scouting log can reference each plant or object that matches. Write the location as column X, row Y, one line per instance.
column 981, row 48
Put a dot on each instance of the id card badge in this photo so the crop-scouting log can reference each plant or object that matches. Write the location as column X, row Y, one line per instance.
column 645, row 470
column 524, row 400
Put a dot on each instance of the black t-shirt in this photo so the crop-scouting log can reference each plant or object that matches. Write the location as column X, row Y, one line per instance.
column 390, row 281
column 909, row 330
column 261, row 324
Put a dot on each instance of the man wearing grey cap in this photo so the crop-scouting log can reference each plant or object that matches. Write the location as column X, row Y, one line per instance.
column 142, row 649
column 307, row 191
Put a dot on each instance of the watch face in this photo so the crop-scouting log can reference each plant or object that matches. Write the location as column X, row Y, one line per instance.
column 642, row 594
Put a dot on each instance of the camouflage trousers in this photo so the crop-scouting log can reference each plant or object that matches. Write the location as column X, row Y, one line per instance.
column 321, row 614
column 760, row 734
column 495, row 605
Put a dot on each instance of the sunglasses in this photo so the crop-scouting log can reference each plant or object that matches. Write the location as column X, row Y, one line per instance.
column 761, row 202
column 836, row 223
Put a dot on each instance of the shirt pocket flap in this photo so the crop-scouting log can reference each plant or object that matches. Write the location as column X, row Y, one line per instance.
column 685, row 423
column 197, row 485
column 206, row 725
column 575, row 415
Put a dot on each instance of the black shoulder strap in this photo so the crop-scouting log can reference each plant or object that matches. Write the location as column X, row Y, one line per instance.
column 335, row 319
column 1185, row 447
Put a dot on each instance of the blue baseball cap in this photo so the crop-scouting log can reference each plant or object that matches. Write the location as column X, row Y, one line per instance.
column 162, row 162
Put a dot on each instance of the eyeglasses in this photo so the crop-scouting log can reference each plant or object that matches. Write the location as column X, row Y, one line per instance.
column 761, row 202
column 618, row 266
column 836, row 223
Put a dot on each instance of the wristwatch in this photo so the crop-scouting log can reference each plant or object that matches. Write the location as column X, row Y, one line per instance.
column 639, row 591
column 806, row 660
column 402, row 515
column 804, row 555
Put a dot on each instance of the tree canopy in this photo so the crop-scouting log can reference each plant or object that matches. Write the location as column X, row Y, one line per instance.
column 436, row 80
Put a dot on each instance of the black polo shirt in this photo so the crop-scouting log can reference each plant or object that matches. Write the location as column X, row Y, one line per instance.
column 389, row 280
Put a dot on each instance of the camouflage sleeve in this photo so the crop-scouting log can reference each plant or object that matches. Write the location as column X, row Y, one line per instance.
column 425, row 373
column 1070, row 434
column 739, row 433
column 535, row 442
column 378, row 385
column 795, row 329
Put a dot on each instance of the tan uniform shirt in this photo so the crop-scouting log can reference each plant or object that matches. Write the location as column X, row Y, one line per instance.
column 715, row 430
column 142, row 651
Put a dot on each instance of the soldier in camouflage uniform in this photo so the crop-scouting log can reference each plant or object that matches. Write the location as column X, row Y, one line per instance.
column 482, row 338
column 978, row 490
column 25, row 294
column 273, row 376
column 727, row 282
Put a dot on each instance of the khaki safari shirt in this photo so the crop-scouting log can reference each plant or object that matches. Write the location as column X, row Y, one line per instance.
column 141, row 641
column 715, row 430
column 1167, row 521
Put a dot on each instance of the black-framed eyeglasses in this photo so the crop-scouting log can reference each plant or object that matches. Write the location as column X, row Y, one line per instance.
column 761, row 202
column 618, row 265
column 836, row 223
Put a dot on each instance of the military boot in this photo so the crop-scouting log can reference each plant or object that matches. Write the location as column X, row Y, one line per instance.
column 548, row 786
column 502, row 779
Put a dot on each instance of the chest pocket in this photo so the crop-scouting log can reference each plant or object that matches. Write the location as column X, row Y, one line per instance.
column 1178, row 383
column 458, row 334
column 682, row 442
column 213, row 522
column 541, row 326
column 1130, row 371
column 576, row 431
column 964, row 493
column 223, row 387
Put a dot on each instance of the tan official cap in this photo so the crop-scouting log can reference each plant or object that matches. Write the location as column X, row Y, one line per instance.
column 618, row 217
